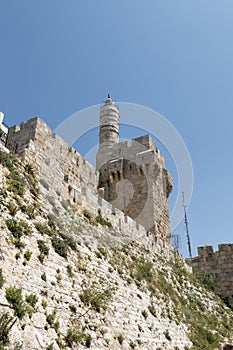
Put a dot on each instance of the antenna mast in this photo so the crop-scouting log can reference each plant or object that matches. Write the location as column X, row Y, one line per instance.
column 186, row 226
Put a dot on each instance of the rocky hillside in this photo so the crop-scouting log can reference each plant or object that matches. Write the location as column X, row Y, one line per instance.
column 68, row 280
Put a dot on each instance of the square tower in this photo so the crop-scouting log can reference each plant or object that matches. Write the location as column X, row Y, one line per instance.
column 133, row 176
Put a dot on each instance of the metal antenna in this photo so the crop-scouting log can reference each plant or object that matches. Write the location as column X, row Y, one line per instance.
column 186, row 226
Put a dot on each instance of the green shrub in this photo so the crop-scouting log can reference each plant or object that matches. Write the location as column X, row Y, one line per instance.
column 18, row 228
column 99, row 218
column 15, row 228
column 167, row 335
column 70, row 241
column 19, row 244
column 203, row 338
column 50, row 319
column 3, row 193
column 52, row 222
column 35, row 191
column 152, row 310
column 101, row 252
column 43, row 248
column 73, row 336
column 60, row 247
column 17, row 256
column 31, row 299
column 97, row 299
column 120, row 338
column 6, row 323
column 60, row 342
column 1, row 279
column 8, row 160
column 144, row 314
column 43, row 276
column 73, row 309
column 15, row 298
column 43, row 228
column 30, row 210
column 30, row 170
column 88, row 216
column 27, row 255
column 44, row 303
column 132, row 345
column 15, row 183
column 144, row 271
column 88, row 340
column 69, row 271
column 27, row 230
column 206, row 277
column 12, row 209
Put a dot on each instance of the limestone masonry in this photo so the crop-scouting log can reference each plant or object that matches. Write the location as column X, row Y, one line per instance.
column 130, row 186
column 131, row 181
column 219, row 264
column 133, row 177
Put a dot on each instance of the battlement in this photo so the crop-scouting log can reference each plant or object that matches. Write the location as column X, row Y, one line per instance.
column 60, row 165
column 66, row 172
column 141, row 150
column 220, row 264
column 149, row 144
column 134, row 179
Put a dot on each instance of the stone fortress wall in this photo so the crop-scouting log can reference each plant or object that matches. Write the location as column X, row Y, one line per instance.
column 133, row 176
column 66, row 172
column 220, row 264
column 62, row 166
column 134, row 179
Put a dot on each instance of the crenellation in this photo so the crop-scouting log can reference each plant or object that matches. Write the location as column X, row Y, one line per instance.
column 220, row 264
column 134, row 179
column 65, row 171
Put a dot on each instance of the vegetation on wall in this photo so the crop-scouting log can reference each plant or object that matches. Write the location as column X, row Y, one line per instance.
column 97, row 275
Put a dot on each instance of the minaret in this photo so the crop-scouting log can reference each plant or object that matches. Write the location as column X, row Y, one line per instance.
column 109, row 124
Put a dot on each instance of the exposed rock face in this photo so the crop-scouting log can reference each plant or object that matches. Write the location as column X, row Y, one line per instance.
column 80, row 284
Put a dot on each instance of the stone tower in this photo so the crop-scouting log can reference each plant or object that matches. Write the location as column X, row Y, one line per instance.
column 133, row 176
column 109, row 124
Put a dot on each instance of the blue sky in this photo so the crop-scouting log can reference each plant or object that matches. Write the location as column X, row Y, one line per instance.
column 60, row 56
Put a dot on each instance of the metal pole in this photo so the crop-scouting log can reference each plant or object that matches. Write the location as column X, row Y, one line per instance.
column 187, row 228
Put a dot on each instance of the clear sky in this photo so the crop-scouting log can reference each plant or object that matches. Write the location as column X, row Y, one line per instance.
column 60, row 56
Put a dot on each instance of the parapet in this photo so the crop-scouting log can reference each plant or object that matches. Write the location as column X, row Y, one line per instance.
column 66, row 172
column 20, row 136
column 220, row 264
column 206, row 250
column 225, row 248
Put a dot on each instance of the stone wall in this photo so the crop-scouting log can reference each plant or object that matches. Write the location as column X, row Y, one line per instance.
column 64, row 170
column 134, row 179
column 58, row 164
column 220, row 264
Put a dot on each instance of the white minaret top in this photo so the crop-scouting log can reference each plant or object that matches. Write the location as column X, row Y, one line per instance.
column 109, row 124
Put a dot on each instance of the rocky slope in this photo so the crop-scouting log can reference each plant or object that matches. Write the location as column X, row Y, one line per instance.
column 69, row 281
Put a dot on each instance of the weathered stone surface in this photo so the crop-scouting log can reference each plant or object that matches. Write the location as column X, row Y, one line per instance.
column 220, row 264
column 133, row 177
column 136, row 171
